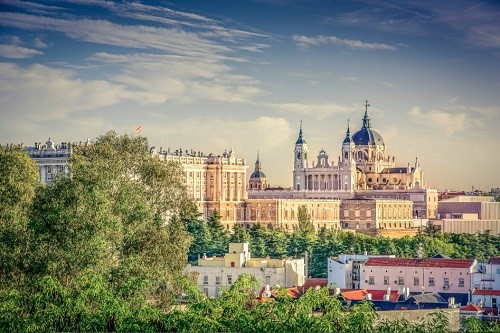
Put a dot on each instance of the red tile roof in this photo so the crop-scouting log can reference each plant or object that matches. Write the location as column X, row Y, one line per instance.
column 378, row 295
column 486, row 292
column 494, row 261
column 354, row 295
column 415, row 262
column 471, row 307
column 294, row 292
column 311, row 283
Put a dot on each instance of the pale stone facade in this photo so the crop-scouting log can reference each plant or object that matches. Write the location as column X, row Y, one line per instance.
column 215, row 182
column 218, row 273
column 425, row 201
column 363, row 171
column 50, row 158
column 283, row 213
column 372, row 214
column 469, row 214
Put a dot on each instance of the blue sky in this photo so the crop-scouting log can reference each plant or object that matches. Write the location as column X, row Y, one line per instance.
column 211, row 75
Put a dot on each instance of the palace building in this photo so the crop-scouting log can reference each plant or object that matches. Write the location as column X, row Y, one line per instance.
column 216, row 183
column 364, row 191
column 363, row 165
column 51, row 159
column 364, row 170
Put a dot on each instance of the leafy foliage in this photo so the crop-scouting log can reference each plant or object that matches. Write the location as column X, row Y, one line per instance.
column 101, row 250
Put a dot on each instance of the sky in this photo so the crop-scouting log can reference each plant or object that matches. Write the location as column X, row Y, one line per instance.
column 215, row 75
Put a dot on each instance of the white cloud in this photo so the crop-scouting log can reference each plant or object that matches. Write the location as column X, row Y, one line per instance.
column 98, row 31
column 388, row 84
column 480, row 27
column 449, row 123
column 320, row 111
column 31, row 6
column 40, row 43
column 39, row 93
column 125, row 9
column 255, row 47
column 350, row 78
column 157, row 78
column 17, row 52
column 304, row 41
column 246, row 136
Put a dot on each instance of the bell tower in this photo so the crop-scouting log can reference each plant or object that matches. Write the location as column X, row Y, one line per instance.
column 348, row 163
column 300, row 161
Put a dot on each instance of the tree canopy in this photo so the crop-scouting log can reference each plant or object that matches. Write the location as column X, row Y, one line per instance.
column 97, row 248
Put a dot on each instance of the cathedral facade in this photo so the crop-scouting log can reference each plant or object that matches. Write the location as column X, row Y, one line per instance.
column 364, row 164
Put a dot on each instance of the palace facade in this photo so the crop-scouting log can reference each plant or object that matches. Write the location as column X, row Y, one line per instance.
column 364, row 170
column 363, row 165
column 51, row 159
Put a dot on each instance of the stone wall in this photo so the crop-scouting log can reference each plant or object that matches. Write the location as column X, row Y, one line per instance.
column 416, row 316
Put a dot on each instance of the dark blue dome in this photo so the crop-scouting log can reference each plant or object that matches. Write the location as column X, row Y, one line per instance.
column 258, row 174
column 367, row 136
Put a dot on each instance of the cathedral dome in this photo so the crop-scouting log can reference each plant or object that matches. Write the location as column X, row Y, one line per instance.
column 258, row 174
column 367, row 137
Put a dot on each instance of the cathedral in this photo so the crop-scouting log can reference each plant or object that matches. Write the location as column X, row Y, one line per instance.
column 363, row 165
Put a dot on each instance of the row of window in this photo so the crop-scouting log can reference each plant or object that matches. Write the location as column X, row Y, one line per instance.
column 54, row 168
column 218, row 279
column 416, row 281
column 229, row 277
column 381, row 213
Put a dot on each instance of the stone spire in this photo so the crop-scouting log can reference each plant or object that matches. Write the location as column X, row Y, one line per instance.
column 347, row 134
column 300, row 139
column 366, row 118
column 258, row 164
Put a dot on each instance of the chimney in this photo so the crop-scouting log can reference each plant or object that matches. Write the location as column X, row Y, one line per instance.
column 406, row 292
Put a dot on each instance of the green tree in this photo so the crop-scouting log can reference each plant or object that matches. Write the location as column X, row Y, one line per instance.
column 305, row 235
column 201, row 238
column 277, row 243
column 240, row 235
column 19, row 183
column 258, row 243
column 219, row 236
column 104, row 248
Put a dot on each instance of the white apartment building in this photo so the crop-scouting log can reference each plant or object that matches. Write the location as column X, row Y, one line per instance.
column 448, row 277
column 218, row 273
column 344, row 270
column 486, row 284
